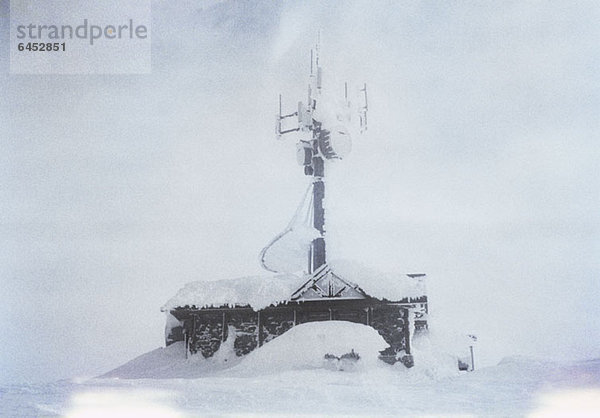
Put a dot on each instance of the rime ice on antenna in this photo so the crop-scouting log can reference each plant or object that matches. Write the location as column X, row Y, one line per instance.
column 324, row 138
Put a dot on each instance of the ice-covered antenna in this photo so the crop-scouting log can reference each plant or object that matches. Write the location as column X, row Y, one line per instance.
column 306, row 113
column 323, row 138
column 319, row 71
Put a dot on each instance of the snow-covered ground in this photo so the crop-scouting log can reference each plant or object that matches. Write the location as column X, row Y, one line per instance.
column 289, row 375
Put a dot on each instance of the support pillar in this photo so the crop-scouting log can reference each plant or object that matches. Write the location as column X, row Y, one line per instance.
column 258, row 326
column 224, row 332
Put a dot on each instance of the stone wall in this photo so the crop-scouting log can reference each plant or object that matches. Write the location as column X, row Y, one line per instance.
column 205, row 329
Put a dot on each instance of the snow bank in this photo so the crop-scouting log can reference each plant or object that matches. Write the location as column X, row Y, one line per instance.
column 162, row 362
column 171, row 363
column 305, row 346
column 301, row 348
column 432, row 361
column 256, row 291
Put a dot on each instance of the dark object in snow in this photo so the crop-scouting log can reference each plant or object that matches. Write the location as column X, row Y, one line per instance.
column 344, row 362
column 350, row 356
column 407, row 360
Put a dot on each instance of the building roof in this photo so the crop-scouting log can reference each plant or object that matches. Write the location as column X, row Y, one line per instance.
column 256, row 291
column 259, row 292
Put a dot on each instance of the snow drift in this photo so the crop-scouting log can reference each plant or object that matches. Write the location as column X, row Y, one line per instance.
column 168, row 363
column 304, row 347
column 516, row 387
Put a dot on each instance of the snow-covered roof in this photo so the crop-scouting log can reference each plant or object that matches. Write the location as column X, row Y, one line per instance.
column 262, row 291
column 256, row 291
column 392, row 286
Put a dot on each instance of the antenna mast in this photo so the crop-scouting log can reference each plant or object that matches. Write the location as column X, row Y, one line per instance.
column 320, row 140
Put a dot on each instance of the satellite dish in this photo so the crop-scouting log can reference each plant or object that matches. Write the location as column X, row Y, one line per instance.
column 335, row 144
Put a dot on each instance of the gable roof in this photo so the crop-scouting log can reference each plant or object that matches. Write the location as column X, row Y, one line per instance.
column 323, row 283
column 259, row 292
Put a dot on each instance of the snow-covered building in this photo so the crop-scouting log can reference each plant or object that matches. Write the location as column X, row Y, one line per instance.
column 255, row 310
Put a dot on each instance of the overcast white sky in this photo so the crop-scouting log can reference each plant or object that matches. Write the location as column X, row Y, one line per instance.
column 480, row 169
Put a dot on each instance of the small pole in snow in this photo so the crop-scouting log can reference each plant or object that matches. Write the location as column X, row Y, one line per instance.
column 472, row 358
column 473, row 340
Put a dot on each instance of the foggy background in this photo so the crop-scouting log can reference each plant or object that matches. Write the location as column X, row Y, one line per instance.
column 480, row 168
